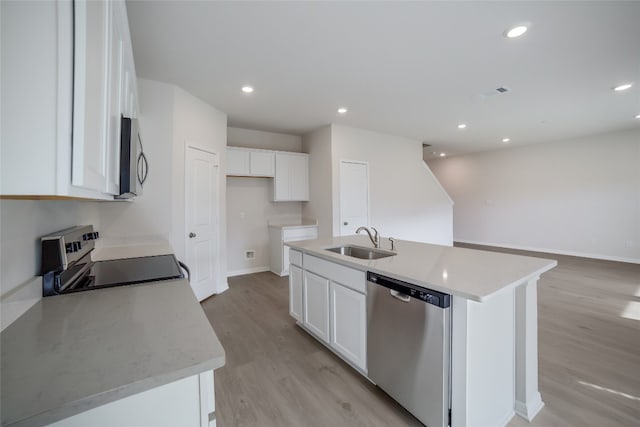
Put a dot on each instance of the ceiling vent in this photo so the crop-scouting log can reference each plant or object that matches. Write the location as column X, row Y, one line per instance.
column 493, row 92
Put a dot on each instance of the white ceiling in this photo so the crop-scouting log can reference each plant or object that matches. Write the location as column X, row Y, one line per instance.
column 411, row 69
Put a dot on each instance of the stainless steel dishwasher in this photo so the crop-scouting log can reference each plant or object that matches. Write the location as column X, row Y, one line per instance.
column 409, row 346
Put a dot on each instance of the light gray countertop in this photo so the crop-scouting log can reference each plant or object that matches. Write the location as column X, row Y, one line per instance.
column 70, row 353
column 468, row 273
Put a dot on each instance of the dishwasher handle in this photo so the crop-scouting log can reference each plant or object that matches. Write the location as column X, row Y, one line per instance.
column 399, row 295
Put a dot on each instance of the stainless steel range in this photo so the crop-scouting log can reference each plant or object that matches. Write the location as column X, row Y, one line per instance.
column 67, row 266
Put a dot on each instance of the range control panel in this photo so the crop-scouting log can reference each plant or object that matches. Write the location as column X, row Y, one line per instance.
column 62, row 249
column 429, row 296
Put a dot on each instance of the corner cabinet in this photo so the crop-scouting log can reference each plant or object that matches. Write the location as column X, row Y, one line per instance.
column 290, row 171
column 291, row 182
column 332, row 299
column 61, row 136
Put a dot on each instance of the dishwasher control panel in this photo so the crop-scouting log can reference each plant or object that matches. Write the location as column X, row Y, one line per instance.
column 429, row 296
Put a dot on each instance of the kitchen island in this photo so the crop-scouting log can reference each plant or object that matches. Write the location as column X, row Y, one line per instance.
column 131, row 355
column 494, row 369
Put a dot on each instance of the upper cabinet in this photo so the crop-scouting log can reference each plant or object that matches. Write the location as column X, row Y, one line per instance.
column 67, row 78
column 250, row 162
column 290, row 171
column 291, row 182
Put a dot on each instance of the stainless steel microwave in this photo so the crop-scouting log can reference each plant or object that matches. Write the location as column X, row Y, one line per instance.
column 134, row 167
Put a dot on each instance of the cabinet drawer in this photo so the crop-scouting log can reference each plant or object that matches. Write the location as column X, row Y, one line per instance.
column 354, row 279
column 306, row 233
column 295, row 257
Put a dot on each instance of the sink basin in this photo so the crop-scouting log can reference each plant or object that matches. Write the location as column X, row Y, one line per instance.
column 361, row 252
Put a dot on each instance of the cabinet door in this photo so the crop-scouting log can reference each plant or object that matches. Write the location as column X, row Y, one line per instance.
column 291, row 182
column 89, row 164
column 262, row 163
column 316, row 305
column 115, row 101
column 349, row 324
column 295, row 293
column 238, row 162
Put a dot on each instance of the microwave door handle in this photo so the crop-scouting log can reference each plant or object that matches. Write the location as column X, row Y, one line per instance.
column 143, row 168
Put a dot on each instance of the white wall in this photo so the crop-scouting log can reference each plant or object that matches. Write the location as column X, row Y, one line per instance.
column 22, row 222
column 249, row 204
column 151, row 213
column 406, row 201
column 198, row 123
column 239, row 137
column 318, row 145
column 579, row 197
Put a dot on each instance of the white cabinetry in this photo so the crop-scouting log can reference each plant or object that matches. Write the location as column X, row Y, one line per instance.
column 189, row 402
column 334, row 306
column 60, row 112
column 291, row 182
column 295, row 293
column 278, row 252
column 349, row 324
column 315, row 296
column 249, row 162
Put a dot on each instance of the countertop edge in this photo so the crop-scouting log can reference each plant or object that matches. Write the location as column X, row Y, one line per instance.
column 343, row 260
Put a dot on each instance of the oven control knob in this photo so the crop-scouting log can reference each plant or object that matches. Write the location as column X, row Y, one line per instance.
column 96, row 234
column 68, row 248
column 77, row 246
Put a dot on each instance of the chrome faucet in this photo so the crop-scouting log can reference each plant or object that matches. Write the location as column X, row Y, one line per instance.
column 375, row 238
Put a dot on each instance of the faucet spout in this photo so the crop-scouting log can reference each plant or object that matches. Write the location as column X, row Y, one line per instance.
column 375, row 237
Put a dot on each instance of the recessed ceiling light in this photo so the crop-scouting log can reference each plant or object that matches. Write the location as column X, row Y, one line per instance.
column 462, row 126
column 506, row 139
column 622, row 87
column 637, row 116
column 247, row 89
column 442, row 154
column 342, row 110
column 514, row 32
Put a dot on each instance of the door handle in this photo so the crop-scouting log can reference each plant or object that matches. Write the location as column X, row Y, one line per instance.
column 399, row 295
column 345, row 223
column 192, row 235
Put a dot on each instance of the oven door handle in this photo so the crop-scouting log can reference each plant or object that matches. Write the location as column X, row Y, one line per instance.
column 185, row 268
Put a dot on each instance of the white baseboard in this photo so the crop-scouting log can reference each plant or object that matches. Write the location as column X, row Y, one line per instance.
column 550, row 251
column 529, row 410
column 247, row 271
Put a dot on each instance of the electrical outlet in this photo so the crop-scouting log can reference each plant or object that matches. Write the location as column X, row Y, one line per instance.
column 249, row 254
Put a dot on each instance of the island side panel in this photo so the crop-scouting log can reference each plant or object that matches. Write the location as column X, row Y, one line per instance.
column 528, row 399
column 483, row 362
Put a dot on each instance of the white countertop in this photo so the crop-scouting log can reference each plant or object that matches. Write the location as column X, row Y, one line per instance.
column 468, row 273
column 70, row 353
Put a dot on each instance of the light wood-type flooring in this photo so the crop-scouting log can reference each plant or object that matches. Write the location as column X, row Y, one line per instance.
column 277, row 375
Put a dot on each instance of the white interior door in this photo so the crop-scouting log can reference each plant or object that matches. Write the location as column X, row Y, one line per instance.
column 201, row 186
column 354, row 196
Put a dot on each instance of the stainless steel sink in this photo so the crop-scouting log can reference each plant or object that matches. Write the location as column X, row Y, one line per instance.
column 361, row 252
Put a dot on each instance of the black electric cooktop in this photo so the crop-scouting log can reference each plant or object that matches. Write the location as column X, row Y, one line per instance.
column 125, row 271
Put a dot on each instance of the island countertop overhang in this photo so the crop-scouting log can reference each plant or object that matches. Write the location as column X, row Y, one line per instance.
column 472, row 274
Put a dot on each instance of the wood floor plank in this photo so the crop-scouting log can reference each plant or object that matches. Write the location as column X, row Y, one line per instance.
column 277, row 375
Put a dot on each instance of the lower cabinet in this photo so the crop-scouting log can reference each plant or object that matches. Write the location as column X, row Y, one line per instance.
column 329, row 301
column 295, row 293
column 315, row 298
column 188, row 402
column 349, row 324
